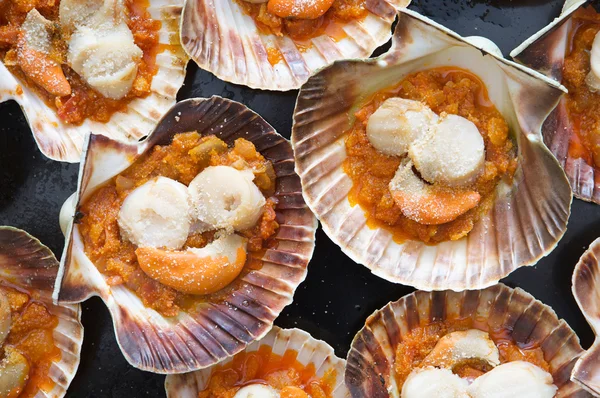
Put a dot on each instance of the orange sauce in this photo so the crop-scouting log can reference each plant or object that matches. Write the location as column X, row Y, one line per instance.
column 84, row 102
column 181, row 160
column 450, row 90
column 302, row 31
column 583, row 105
column 419, row 342
column 274, row 55
column 31, row 334
column 284, row 373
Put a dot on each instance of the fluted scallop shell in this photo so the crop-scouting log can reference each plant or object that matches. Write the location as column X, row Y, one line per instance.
column 310, row 351
column 369, row 369
column 223, row 40
column 28, row 264
column 545, row 51
column 520, row 228
column 195, row 340
column 586, row 289
column 64, row 142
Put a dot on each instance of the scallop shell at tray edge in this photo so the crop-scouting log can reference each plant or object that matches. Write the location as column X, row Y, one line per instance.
column 28, row 264
column 371, row 357
column 310, row 351
column 545, row 52
column 194, row 340
column 64, row 142
column 586, row 289
column 215, row 32
column 519, row 230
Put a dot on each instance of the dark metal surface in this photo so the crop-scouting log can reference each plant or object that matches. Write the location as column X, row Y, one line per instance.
column 334, row 301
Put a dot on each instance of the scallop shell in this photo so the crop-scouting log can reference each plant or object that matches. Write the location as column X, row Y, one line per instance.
column 519, row 230
column 372, row 354
column 64, row 142
column 215, row 331
column 28, row 264
column 545, row 51
column 586, row 289
column 216, row 32
column 310, row 351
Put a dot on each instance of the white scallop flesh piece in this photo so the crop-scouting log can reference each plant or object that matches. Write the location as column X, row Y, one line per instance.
column 224, row 197
column 397, row 123
column 432, row 382
column 5, row 317
column 458, row 346
column 36, row 32
column 453, row 153
column 156, row 214
column 72, row 13
column 593, row 78
column 256, row 391
column 14, row 372
column 514, row 379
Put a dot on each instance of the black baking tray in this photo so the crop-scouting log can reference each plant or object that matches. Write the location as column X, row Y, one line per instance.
column 338, row 294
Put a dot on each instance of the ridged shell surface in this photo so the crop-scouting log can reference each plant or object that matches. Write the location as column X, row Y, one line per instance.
column 545, row 51
column 369, row 368
column 225, row 41
column 28, row 264
column 64, row 142
column 586, row 289
column 310, row 351
column 519, row 229
column 213, row 331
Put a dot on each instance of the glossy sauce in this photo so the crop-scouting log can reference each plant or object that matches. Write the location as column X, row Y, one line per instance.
column 450, row 90
column 31, row 334
column 265, row 367
column 182, row 161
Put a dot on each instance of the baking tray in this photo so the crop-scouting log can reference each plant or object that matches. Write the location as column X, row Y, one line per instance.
column 338, row 294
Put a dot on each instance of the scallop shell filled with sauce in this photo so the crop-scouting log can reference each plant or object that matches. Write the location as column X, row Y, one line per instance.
column 195, row 238
column 278, row 44
column 285, row 363
column 586, row 289
column 426, row 164
column 496, row 342
column 108, row 66
column 40, row 342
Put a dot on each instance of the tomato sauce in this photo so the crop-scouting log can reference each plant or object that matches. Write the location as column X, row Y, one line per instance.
column 450, row 90
column 84, row 102
column 31, row 334
column 284, row 373
column 182, row 160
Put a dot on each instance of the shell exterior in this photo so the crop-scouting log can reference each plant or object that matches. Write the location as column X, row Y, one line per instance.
column 519, row 229
column 213, row 331
column 545, row 51
column 369, row 370
column 28, row 264
column 64, row 142
column 586, row 289
column 220, row 38
column 310, row 351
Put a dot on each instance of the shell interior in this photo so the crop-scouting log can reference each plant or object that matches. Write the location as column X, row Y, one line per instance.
column 310, row 351
column 586, row 289
column 28, row 264
column 545, row 51
column 212, row 331
column 216, row 32
column 64, row 142
column 369, row 370
column 519, row 229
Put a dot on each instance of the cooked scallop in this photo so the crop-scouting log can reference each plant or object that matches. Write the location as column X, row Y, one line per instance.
column 452, row 153
column 459, row 346
column 432, row 382
column 514, row 379
column 397, row 123
column 256, row 391
column 14, row 372
column 156, row 214
column 593, row 77
column 224, row 197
